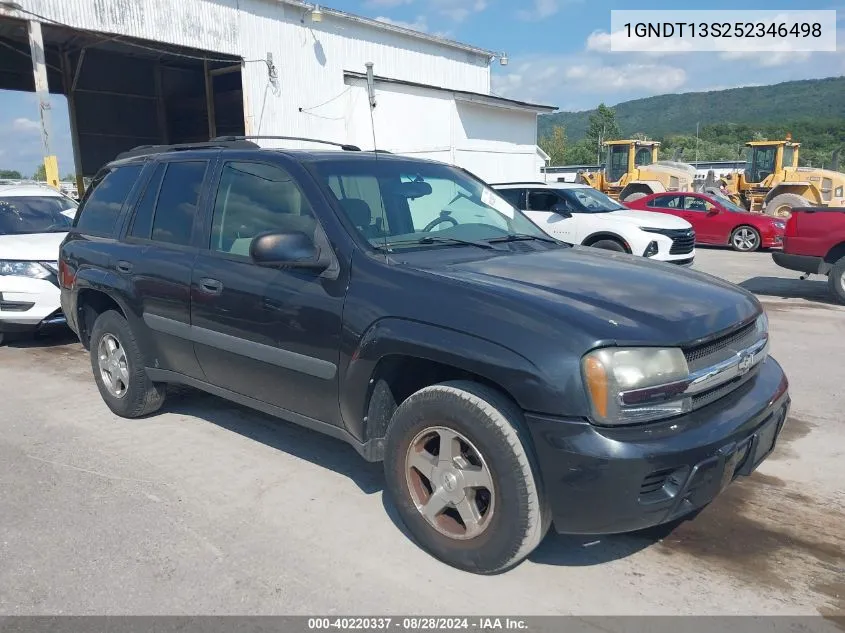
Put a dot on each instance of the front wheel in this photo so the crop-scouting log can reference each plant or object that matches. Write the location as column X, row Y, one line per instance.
column 609, row 245
column 836, row 280
column 461, row 475
column 745, row 239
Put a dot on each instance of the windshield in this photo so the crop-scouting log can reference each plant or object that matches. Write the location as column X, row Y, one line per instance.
column 424, row 205
column 730, row 206
column 35, row 214
column 588, row 200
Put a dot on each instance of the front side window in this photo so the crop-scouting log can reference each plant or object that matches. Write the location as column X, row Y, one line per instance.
column 406, row 203
column 103, row 201
column 543, row 200
column 254, row 198
column 176, row 208
column 788, row 155
column 33, row 214
column 617, row 162
column 691, row 203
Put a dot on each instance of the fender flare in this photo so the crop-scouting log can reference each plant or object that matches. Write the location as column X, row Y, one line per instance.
column 111, row 285
column 785, row 187
column 609, row 235
column 655, row 185
column 512, row 372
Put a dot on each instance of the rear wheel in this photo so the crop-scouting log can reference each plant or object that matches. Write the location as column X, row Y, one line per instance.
column 118, row 367
column 781, row 206
column 836, row 280
column 609, row 245
column 462, row 478
column 745, row 239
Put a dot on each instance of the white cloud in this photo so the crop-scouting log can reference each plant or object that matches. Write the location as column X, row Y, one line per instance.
column 419, row 24
column 385, row 4
column 26, row 125
column 458, row 10
column 540, row 10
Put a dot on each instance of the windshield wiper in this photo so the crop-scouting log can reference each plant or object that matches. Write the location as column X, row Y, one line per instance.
column 519, row 237
column 431, row 239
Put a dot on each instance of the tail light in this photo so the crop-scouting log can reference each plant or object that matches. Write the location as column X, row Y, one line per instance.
column 67, row 275
column 792, row 226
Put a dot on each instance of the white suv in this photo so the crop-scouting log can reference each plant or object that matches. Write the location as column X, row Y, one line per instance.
column 34, row 220
column 579, row 214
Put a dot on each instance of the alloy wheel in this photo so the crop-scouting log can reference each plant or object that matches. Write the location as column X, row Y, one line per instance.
column 114, row 369
column 745, row 240
column 450, row 483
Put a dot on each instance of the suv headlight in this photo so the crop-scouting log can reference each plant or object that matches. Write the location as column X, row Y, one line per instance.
column 23, row 269
column 629, row 385
column 610, row 372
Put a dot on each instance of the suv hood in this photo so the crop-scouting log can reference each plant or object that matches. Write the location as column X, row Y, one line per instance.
column 614, row 298
column 31, row 247
column 650, row 219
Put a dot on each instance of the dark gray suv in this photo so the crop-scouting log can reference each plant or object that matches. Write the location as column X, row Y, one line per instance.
column 506, row 380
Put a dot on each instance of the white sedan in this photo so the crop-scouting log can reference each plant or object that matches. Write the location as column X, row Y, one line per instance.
column 34, row 220
column 579, row 214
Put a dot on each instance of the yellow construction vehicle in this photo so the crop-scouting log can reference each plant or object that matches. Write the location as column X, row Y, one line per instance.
column 773, row 183
column 632, row 171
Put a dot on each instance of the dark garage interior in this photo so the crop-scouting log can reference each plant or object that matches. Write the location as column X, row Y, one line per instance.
column 124, row 92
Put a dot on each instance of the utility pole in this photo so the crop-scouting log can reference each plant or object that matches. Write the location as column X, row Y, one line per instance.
column 42, row 91
column 696, row 142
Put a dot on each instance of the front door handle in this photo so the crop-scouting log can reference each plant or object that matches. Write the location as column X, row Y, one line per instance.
column 124, row 267
column 211, row 286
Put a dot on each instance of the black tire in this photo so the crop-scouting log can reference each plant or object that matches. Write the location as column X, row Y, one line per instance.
column 609, row 245
column 637, row 195
column 520, row 516
column 781, row 206
column 140, row 396
column 836, row 280
column 745, row 239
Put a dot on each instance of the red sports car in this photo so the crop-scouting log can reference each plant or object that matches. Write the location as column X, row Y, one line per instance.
column 717, row 220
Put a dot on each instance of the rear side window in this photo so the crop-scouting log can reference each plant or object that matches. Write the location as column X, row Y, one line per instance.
column 514, row 196
column 103, row 203
column 142, row 223
column 177, row 202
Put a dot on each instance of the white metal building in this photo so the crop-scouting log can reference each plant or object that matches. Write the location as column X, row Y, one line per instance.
column 156, row 71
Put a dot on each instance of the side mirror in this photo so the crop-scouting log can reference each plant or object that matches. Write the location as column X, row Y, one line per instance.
column 713, row 211
column 561, row 209
column 292, row 249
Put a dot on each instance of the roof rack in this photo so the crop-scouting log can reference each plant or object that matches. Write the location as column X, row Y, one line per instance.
column 519, row 182
column 343, row 146
column 145, row 150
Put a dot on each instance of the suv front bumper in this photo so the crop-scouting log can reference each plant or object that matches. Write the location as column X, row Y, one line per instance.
column 28, row 305
column 602, row 480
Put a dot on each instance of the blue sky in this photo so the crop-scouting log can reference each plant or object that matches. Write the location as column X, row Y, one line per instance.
column 558, row 55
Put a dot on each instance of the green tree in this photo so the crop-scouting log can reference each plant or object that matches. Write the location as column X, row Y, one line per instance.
column 602, row 127
column 10, row 174
column 555, row 145
column 580, row 153
column 40, row 173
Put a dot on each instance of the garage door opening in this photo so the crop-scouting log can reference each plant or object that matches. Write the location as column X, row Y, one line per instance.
column 123, row 92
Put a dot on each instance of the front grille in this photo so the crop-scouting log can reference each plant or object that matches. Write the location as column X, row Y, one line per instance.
column 655, row 481
column 707, row 397
column 712, row 352
column 15, row 306
column 683, row 240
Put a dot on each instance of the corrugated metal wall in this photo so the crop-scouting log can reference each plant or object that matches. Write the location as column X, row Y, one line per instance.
column 309, row 57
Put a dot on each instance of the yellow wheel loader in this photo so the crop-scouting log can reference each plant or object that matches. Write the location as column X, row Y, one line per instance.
column 632, row 171
column 773, row 183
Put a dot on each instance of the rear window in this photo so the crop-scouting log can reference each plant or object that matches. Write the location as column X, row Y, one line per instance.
column 102, row 204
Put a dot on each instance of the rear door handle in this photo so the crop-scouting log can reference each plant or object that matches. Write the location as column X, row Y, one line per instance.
column 211, row 286
column 124, row 267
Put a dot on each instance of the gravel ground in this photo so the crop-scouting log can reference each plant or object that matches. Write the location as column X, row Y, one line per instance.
column 210, row 508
